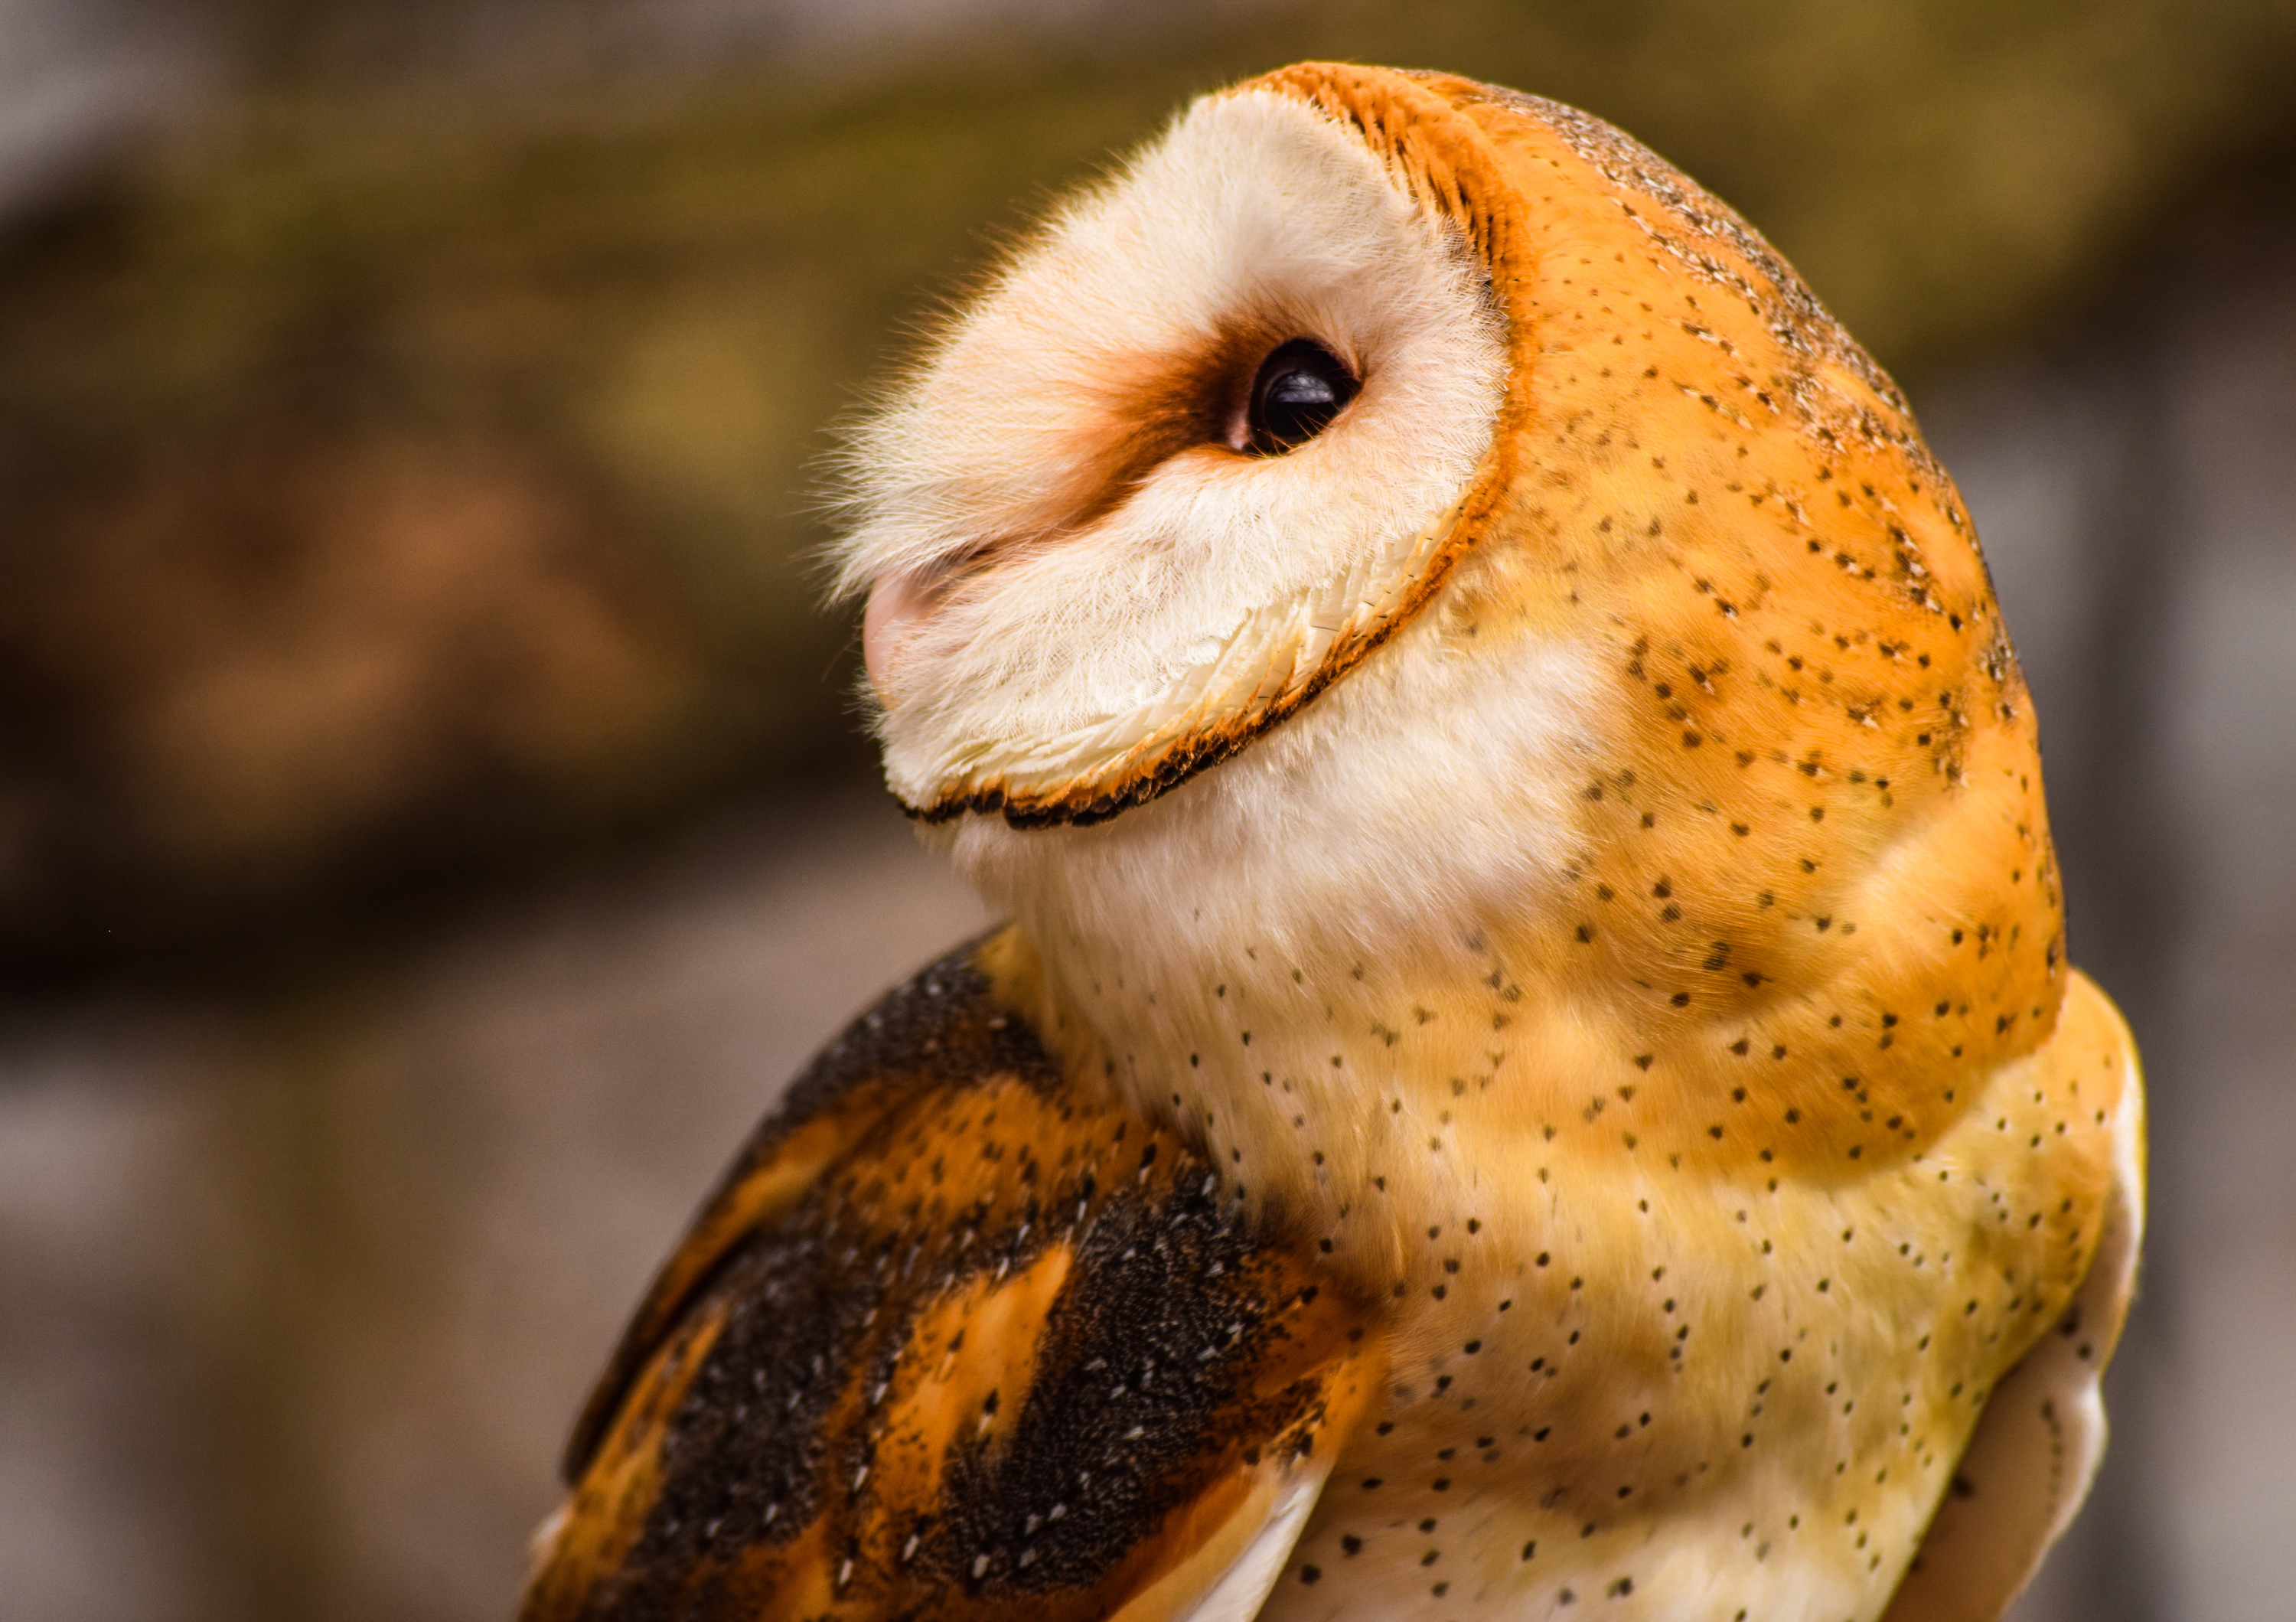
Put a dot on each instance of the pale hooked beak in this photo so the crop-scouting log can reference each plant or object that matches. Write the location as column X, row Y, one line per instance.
column 898, row 606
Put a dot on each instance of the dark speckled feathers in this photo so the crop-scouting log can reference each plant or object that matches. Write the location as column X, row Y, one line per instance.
column 1003, row 1351
column 935, row 1023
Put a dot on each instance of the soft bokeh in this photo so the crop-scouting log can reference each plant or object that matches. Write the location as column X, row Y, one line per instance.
column 433, row 817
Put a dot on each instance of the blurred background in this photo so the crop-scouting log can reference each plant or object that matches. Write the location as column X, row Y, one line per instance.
column 433, row 821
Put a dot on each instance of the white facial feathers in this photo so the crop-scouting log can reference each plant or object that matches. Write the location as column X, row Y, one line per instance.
column 1068, row 558
column 1430, row 792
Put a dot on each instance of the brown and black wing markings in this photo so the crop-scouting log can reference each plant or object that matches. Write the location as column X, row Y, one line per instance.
column 1009, row 1352
column 939, row 1022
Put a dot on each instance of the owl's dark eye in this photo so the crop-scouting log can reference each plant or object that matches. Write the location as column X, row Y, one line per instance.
column 1301, row 388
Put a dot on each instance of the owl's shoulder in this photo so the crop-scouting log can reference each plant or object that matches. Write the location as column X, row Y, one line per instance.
column 950, row 1338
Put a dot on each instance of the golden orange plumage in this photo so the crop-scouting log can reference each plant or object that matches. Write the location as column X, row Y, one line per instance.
column 1563, row 858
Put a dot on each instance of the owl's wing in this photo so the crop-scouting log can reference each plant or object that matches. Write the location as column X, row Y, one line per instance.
column 954, row 1341
column 916, row 1033
column 2028, row 1467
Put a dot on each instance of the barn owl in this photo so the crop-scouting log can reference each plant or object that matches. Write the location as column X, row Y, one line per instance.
column 1533, row 1064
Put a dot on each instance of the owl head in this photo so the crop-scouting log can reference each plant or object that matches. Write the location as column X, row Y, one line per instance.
column 1392, row 497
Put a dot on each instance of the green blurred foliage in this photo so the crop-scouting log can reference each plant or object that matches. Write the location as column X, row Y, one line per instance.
column 411, row 477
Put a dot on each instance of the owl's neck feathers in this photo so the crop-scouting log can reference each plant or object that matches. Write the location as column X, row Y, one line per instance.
column 1253, row 954
column 1468, row 913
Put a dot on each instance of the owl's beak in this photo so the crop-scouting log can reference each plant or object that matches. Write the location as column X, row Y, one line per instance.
column 897, row 605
